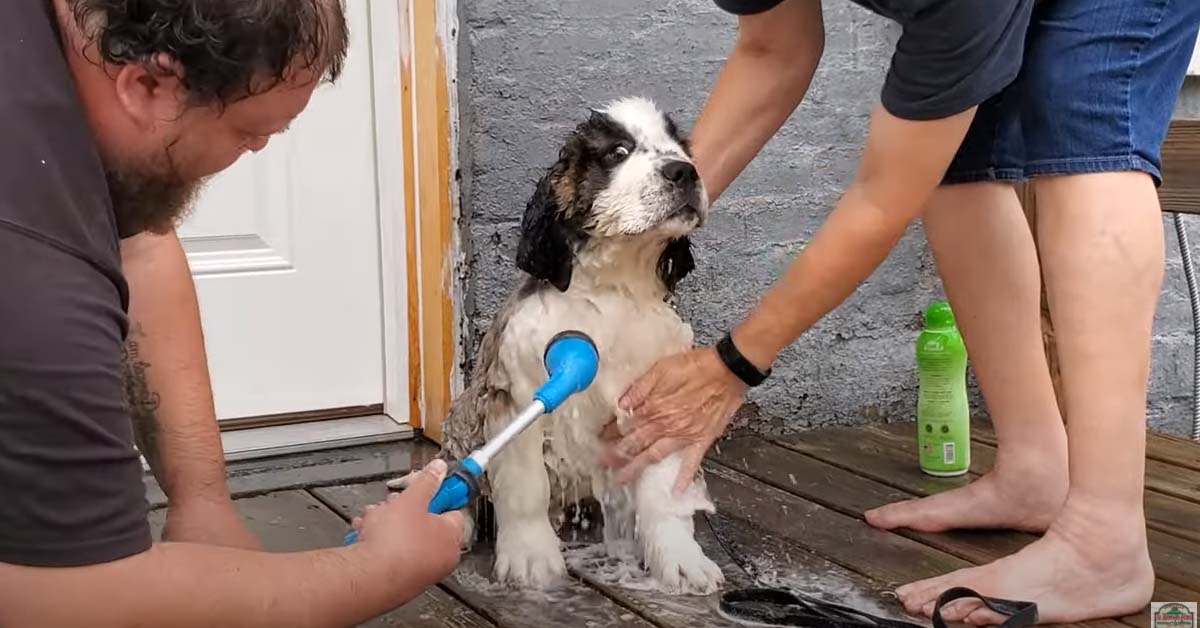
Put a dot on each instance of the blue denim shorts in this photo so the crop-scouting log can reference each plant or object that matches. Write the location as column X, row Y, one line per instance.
column 1095, row 93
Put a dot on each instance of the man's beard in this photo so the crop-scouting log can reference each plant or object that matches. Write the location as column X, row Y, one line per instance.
column 148, row 198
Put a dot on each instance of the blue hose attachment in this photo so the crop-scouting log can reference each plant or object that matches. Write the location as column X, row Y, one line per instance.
column 459, row 488
column 571, row 361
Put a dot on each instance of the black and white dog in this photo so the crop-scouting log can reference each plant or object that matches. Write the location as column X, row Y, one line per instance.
column 604, row 241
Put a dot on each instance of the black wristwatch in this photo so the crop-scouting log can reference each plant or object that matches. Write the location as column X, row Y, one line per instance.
column 738, row 364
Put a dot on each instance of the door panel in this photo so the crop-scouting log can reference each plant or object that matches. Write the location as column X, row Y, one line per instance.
column 284, row 247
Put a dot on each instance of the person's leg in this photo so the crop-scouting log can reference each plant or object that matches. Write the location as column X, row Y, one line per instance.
column 987, row 261
column 1101, row 238
column 1105, row 74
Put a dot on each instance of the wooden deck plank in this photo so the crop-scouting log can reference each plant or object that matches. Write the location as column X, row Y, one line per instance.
column 884, row 556
column 637, row 592
column 573, row 604
column 1173, row 450
column 292, row 521
column 799, row 568
column 772, row 560
column 1165, row 513
column 847, row 541
column 884, row 457
column 249, row 478
column 1172, row 464
column 288, row 521
column 433, row 609
column 852, row 494
column 778, row 562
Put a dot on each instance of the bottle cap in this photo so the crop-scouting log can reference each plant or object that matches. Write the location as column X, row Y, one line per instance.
column 939, row 316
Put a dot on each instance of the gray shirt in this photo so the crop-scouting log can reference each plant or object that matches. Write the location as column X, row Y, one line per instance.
column 71, row 489
column 952, row 55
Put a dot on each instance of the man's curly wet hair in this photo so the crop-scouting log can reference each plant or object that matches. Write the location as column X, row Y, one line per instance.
column 228, row 49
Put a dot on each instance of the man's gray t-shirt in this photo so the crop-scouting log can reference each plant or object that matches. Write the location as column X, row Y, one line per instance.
column 71, row 489
column 952, row 54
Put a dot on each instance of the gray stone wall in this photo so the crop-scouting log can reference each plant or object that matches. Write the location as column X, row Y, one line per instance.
column 529, row 70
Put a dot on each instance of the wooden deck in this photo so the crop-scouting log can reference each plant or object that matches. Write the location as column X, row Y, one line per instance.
column 790, row 508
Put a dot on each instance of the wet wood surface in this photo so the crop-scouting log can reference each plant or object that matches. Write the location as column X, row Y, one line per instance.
column 295, row 520
column 789, row 514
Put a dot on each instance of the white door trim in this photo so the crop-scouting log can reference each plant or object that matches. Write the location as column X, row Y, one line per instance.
column 415, row 86
column 391, row 36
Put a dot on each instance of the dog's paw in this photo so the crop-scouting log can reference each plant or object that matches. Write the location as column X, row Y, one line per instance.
column 401, row 483
column 468, row 538
column 681, row 568
column 528, row 556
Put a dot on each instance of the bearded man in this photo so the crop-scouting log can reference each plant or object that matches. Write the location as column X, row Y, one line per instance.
column 112, row 115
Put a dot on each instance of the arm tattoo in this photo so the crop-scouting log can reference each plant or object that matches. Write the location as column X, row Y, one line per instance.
column 141, row 402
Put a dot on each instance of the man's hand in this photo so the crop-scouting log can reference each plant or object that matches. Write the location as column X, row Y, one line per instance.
column 402, row 551
column 208, row 522
column 683, row 403
column 425, row 546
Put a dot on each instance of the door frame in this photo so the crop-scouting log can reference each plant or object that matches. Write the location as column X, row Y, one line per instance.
column 413, row 46
column 416, row 113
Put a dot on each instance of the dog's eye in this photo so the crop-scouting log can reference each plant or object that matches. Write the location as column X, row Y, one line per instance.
column 616, row 154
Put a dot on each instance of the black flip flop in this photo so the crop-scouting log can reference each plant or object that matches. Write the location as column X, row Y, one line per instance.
column 779, row 607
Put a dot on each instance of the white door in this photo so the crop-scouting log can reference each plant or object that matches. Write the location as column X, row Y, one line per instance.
column 285, row 246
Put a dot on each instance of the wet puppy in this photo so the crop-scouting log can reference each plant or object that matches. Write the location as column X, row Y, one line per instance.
column 604, row 241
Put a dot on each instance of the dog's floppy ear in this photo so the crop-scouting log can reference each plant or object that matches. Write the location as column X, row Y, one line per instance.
column 547, row 241
column 676, row 262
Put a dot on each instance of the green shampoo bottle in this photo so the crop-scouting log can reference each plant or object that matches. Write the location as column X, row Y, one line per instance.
column 943, row 421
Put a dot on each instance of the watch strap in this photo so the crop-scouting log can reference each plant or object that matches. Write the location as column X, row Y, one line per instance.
column 738, row 364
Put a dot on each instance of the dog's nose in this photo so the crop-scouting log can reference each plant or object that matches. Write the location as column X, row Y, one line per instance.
column 679, row 172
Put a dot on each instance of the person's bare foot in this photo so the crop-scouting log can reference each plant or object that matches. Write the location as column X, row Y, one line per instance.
column 1092, row 563
column 1022, row 495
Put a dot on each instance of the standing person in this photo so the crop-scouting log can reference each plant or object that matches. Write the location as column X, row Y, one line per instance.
column 1075, row 95
column 111, row 113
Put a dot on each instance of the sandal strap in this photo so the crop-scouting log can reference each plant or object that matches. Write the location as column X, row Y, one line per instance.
column 780, row 607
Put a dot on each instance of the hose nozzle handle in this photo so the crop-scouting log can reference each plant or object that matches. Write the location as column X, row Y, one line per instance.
column 571, row 360
column 459, row 488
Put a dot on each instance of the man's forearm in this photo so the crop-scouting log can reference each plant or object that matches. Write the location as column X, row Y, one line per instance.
column 761, row 84
column 179, row 585
column 167, row 382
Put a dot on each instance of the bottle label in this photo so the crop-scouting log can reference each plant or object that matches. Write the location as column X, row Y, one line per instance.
column 942, row 412
column 942, row 449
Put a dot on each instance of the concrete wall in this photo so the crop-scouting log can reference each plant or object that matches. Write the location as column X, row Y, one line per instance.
column 528, row 72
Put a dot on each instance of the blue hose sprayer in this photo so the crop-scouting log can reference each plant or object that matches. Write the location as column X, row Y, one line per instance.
column 571, row 363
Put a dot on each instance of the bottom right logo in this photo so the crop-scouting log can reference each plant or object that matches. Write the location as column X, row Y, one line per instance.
column 1173, row 614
